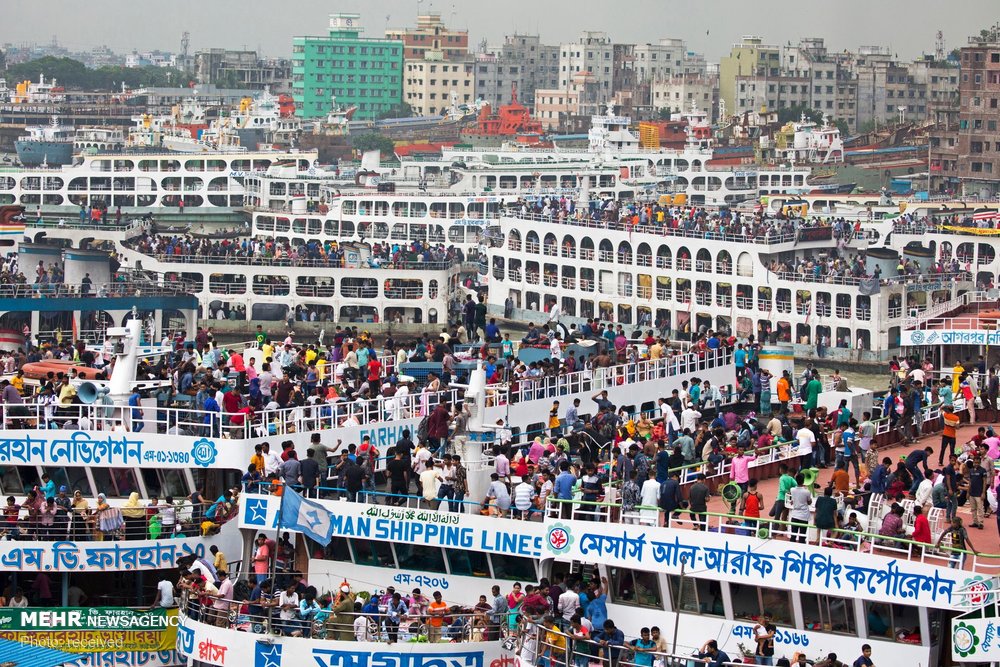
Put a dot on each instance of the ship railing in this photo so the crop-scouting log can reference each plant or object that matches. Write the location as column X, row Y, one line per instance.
column 299, row 262
column 937, row 309
column 74, row 223
column 87, row 525
column 457, row 623
column 170, row 417
column 543, row 640
column 138, row 288
column 933, row 280
column 193, row 422
column 655, row 230
column 927, row 227
column 598, row 379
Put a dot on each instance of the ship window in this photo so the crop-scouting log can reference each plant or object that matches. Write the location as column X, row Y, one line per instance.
column 513, row 568
column 635, row 587
column 468, row 563
column 372, row 552
column 698, row 596
column 830, row 612
column 891, row 621
column 752, row 601
column 337, row 549
column 420, row 557
column 115, row 481
column 172, row 483
column 158, row 482
column 73, row 478
column 10, row 480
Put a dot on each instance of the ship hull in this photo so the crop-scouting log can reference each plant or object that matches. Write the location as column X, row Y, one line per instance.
column 34, row 153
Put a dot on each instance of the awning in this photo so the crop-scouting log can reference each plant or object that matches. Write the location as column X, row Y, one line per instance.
column 24, row 655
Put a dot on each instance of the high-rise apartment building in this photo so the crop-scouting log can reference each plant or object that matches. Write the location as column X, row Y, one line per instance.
column 431, row 35
column 357, row 71
column 965, row 159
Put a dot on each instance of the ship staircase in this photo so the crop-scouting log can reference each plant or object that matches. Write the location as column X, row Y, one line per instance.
column 970, row 310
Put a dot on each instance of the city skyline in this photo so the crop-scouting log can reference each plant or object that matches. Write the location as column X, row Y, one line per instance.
column 707, row 27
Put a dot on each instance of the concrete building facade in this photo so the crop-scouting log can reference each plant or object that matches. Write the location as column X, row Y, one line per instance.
column 358, row 71
column 428, row 83
column 522, row 61
column 242, row 69
column 676, row 94
column 965, row 159
column 589, row 64
column 431, row 35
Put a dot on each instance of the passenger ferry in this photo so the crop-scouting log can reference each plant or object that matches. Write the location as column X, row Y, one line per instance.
column 165, row 450
column 690, row 281
column 688, row 172
column 831, row 593
column 143, row 180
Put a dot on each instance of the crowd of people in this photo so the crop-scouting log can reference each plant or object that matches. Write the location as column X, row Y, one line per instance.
column 51, row 513
column 268, row 250
column 694, row 220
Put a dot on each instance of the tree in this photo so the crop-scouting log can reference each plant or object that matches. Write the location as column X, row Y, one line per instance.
column 374, row 142
column 841, row 125
column 794, row 113
column 74, row 74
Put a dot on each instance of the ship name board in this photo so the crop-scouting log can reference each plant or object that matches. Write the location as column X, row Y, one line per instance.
column 735, row 558
column 949, row 337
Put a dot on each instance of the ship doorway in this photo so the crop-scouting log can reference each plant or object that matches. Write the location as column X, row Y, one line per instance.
column 703, row 322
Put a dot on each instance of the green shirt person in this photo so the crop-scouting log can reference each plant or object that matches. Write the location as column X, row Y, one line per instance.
column 813, row 390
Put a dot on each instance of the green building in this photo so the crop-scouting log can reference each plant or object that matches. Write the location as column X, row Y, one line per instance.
column 367, row 73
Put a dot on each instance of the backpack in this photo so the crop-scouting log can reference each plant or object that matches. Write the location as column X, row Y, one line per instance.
column 422, row 429
column 802, row 391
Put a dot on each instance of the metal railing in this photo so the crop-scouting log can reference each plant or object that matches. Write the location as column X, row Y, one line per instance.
column 195, row 422
column 109, row 524
column 771, row 237
column 297, row 262
column 417, row 624
column 137, row 288
column 545, row 642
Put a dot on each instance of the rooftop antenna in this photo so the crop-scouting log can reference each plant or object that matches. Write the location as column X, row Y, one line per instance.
column 939, row 46
column 185, row 43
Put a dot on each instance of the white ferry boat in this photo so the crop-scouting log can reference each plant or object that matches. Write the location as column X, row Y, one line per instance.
column 143, row 180
column 686, row 281
column 831, row 593
column 686, row 172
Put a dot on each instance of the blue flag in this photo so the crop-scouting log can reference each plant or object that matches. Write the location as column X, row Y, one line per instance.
column 305, row 516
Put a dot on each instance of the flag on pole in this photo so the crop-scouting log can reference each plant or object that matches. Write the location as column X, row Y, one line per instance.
column 305, row 516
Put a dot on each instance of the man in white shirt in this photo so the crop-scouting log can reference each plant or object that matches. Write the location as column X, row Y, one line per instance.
column 271, row 460
column 689, row 419
column 669, row 418
column 361, row 632
column 807, row 440
column 524, row 493
column 288, row 603
column 569, row 601
column 164, row 594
